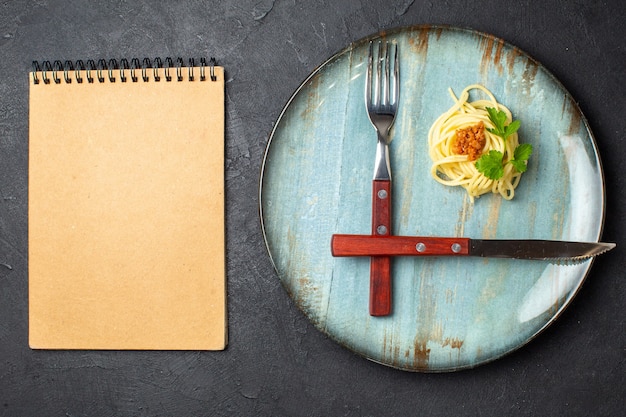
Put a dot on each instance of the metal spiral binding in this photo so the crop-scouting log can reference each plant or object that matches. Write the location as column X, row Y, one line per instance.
column 58, row 72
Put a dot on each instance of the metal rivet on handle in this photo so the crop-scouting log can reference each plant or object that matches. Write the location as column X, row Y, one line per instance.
column 456, row 247
column 382, row 194
column 420, row 247
column 381, row 230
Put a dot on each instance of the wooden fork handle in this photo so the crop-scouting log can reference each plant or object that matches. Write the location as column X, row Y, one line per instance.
column 380, row 266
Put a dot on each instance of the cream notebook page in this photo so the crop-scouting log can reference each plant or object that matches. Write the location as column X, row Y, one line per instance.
column 126, row 210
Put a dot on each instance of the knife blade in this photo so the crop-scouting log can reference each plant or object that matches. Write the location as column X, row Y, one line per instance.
column 343, row 245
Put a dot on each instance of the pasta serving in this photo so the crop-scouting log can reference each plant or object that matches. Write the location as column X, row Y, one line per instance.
column 475, row 145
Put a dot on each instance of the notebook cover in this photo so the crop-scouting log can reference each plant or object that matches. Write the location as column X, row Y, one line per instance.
column 126, row 215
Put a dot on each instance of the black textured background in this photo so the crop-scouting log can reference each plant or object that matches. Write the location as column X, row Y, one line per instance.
column 277, row 364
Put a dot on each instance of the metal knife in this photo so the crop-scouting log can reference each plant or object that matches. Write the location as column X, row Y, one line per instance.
column 552, row 250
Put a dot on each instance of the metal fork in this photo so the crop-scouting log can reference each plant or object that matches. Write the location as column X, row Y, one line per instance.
column 382, row 93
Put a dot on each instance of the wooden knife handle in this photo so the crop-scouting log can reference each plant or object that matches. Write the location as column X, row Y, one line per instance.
column 380, row 266
column 364, row 245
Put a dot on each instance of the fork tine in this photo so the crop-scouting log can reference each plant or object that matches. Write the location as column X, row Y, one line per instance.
column 387, row 81
column 385, row 84
column 396, row 77
column 379, row 75
column 368, row 77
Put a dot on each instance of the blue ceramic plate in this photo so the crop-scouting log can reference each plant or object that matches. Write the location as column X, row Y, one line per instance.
column 448, row 313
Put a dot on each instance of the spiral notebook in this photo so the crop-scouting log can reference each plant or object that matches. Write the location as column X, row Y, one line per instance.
column 126, row 205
